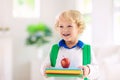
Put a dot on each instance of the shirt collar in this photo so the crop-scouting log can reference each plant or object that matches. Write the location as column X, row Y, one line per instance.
column 62, row 44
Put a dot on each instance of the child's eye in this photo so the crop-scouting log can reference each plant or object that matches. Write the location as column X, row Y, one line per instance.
column 69, row 26
column 61, row 26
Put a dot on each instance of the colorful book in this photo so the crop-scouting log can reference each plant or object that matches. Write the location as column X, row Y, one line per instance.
column 64, row 72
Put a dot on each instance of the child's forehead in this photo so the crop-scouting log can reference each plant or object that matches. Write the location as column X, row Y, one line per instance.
column 65, row 22
column 66, row 19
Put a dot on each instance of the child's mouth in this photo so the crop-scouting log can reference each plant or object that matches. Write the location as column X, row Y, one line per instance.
column 66, row 35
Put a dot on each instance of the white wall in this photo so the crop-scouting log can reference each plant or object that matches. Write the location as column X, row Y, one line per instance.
column 102, row 21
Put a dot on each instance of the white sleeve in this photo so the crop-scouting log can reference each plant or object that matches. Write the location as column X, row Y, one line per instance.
column 94, row 69
column 44, row 65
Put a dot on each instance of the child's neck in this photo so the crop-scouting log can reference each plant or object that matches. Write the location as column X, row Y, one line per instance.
column 70, row 44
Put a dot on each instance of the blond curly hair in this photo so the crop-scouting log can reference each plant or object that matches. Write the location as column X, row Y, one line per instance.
column 73, row 16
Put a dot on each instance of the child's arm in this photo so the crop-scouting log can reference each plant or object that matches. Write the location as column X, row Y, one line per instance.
column 91, row 70
column 44, row 65
column 93, row 67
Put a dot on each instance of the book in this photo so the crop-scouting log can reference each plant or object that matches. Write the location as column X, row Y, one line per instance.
column 72, row 72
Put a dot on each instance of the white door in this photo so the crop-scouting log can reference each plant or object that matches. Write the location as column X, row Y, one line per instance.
column 5, row 58
column 1, row 63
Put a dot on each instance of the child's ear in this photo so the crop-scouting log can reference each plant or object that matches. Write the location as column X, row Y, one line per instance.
column 56, row 30
column 80, row 31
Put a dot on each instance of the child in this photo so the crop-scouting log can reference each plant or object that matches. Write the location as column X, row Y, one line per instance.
column 70, row 25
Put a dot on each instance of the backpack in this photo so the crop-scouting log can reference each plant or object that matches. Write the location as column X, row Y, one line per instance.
column 85, row 50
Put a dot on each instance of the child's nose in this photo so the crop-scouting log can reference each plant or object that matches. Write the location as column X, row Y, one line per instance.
column 66, row 29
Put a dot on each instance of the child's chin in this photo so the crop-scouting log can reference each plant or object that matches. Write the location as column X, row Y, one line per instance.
column 66, row 39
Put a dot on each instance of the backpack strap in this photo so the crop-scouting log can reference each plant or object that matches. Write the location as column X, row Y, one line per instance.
column 86, row 56
column 53, row 54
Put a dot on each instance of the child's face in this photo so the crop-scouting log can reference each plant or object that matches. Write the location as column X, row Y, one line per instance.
column 68, row 30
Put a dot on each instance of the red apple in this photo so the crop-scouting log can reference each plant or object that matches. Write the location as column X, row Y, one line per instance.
column 65, row 62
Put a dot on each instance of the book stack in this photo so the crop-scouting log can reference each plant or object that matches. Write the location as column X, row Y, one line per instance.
column 64, row 72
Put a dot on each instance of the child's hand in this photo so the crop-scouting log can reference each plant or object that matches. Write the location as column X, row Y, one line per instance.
column 86, row 70
column 47, row 66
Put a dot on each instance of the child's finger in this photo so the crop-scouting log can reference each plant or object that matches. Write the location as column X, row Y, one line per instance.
column 85, row 70
column 82, row 67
